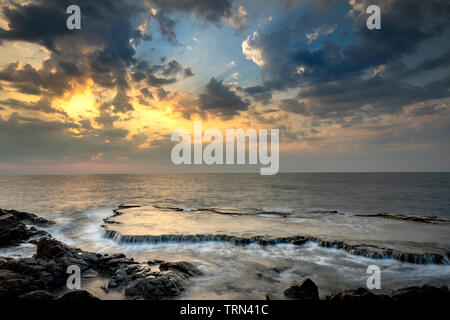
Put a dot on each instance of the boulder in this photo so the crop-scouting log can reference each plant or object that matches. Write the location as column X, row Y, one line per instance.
column 27, row 217
column 303, row 290
column 78, row 295
column 360, row 294
column 182, row 266
column 424, row 293
column 166, row 286
column 48, row 248
column 38, row 295
column 13, row 284
column 90, row 273
column 12, row 229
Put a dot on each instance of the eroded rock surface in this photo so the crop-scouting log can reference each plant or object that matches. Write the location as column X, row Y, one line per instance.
column 14, row 231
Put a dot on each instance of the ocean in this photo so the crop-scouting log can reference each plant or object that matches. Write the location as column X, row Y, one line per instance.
column 217, row 221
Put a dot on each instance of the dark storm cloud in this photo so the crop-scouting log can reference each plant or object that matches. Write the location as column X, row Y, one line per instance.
column 212, row 11
column 334, row 78
column 101, row 50
column 218, row 99
column 43, row 105
column 187, row 72
column 209, row 11
column 259, row 94
column 294, row 106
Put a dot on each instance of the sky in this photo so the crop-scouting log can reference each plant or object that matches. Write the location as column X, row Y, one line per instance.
column 106, row 98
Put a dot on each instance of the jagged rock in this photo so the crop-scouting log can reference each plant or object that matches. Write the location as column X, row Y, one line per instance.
column 78, row 295
column 27, row 217
column 38, row 295
column 125, row 275
column 360, row 294
column 154, row 261
column 109, row 264
column 13, row 284
column 182, row 266
column 263, row 277
column 14, row 232
column 48, row 248
column 426, row 292
column 303, row 290
column 166, row 286
column 90, row 273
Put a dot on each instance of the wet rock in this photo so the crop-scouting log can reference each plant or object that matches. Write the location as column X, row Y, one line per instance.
column 89, row 273
column 126, row 206
column 38, row 295
column 154, row 261
column 13, row 284
column 263, row 277
column 14, row 232
column 125, row 275
column 29, row 218
column 423, row 219
column 48, row 248
column 426, row 292
column 360, row 294
column 166, row 286
column 303, row 290
column 78, row 295
column 182, row 266
column 108, row 264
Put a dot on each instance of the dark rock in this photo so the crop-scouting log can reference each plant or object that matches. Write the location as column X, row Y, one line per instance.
column 166, row 286
column 78, row 295
column 303, row 290
column 125, row 275
column 426, row 292
column 26, row 217
column 263, row 277
column 38, row 295
column 13, row 231
column 90, row 273
column 360, row 294
column 13, row 284
column 154, row 261
column 182, row 266
column 48, row 248
column 126, row 206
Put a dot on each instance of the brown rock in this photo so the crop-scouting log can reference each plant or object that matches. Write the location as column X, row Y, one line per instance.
column 303, row 290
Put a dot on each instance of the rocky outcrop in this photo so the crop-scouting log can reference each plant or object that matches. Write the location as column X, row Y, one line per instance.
column 360, row 294
column 424, row 293
column 155, row 288
column 29, row 218
column 14, row 231
column 303, row 290
column 182, row 266
column 139, row 281
column 38, row 295
column 78, row 295
column 32, row 278
column 424, row 219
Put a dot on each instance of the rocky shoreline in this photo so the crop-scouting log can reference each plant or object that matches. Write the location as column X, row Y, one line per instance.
column 43, row 275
